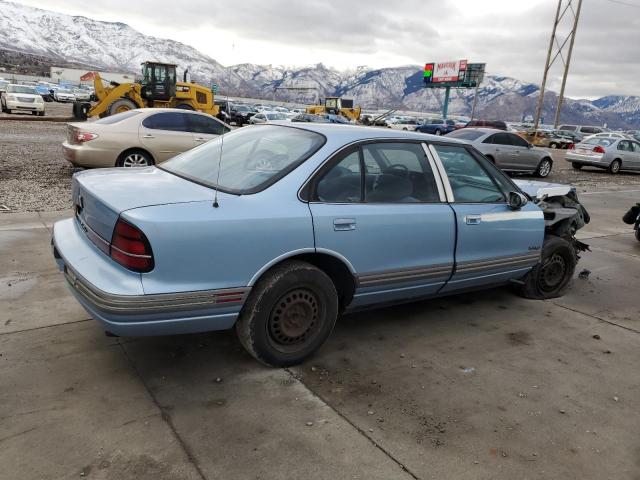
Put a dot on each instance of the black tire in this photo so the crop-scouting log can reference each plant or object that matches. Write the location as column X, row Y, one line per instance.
column 41, row 114
column 550, row 278
column 184, row 106
column 576, row 166
column 35, row 113
column 134, row 158
column 638, row 234
column 121, row 105
column 544, row 168
column 614, row 167
column 289, row 314
column 78, row 111
column 553, row 145
column 438, row 132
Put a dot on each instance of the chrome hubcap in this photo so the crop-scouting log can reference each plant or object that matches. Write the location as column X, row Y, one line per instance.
column 135, row 160
column 615, row 167
column 545, row 168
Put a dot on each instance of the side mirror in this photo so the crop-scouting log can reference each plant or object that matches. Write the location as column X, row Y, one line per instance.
column 516, row 200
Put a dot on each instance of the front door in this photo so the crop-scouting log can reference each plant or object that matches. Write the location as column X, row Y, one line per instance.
column 495, row 244
column 379, row 206
column 166, row 134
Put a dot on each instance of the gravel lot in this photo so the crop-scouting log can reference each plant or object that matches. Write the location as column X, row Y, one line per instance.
column 34, row 176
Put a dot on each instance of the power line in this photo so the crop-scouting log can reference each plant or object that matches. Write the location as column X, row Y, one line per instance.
column 621, row 2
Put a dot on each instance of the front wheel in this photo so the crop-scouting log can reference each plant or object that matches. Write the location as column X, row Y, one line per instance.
column 544, row 168
column 551, row 276
column 288, row 315
column 576, row 166
column 438, row 132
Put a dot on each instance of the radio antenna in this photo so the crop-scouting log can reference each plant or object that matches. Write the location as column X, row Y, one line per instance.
column 215, row 198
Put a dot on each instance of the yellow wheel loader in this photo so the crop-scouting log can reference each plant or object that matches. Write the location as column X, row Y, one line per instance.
column 336, row 106
column 158, row 88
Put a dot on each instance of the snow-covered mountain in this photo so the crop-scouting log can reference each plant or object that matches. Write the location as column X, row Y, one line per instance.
column 118, row 47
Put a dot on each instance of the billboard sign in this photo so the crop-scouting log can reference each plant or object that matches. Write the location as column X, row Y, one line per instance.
column 449, row 71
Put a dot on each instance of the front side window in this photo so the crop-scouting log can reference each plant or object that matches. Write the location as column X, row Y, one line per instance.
column 469, row 182
column 467, row 134
column 398, row 173
column 206, row 125
column 252, row 158
column 343, row 182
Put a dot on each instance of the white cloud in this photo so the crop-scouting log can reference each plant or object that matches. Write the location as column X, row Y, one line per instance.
column 511, row 37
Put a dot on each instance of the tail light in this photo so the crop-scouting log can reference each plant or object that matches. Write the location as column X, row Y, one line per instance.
column 81, row 137
column 130, row 247
column 598, row 149
column 571, row 146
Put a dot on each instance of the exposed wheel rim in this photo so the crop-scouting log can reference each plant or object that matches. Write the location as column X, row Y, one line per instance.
column 552, row 273
column 438, row 132
column 122, row 108
column 553, row 145
column 615, row 167
column 294, row 320
column 135, row 160
column 545, row 168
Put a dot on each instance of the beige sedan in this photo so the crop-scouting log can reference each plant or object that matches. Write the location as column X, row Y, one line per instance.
column 138, row 138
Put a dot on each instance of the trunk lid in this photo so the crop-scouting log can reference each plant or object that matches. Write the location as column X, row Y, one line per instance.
column 99, row 196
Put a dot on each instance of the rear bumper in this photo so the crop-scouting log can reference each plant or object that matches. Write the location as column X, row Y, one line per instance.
column 119, row 304
column 587, row 160
column 87, row 156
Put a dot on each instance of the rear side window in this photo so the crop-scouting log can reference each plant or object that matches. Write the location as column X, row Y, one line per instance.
column 343, row 182
column 469, row 182
column 172, row 121
column 501, row 139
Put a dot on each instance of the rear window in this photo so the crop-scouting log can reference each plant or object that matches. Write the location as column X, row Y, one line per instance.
column 253, row 158
column 466, row 134
column 118, row 117
column 604, row 142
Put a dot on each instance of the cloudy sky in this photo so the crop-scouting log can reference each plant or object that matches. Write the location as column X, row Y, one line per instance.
column 510, row 36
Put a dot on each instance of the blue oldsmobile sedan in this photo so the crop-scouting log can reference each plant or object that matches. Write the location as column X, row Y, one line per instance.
column 277, row 229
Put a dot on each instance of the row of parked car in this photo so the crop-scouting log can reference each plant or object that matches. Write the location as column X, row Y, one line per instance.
column 31, row 96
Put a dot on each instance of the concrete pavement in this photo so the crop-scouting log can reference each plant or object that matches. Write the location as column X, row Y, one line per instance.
column 483, row 385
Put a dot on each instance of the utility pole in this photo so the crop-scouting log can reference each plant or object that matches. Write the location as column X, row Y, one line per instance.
column 475, row 101
column 564, row 6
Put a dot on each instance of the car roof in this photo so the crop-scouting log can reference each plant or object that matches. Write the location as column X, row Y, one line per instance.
column 346, row 133
column 486, row 130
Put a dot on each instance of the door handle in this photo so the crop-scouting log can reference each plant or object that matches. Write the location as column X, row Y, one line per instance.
column 344, row 224
column 148, row 136
column 200, row 139
column 472, row 219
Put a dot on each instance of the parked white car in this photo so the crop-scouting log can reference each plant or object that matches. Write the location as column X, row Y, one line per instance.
column 268, row 117
column 64, row 95
column 81, row 94
column 22, row 98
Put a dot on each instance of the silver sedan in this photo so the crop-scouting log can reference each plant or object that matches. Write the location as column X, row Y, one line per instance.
column 612, row 154
column 507, row 150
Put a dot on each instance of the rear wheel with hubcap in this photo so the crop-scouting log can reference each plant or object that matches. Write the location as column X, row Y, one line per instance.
column 551, row 276
column 544, row 168
column 576, row 166
column 614, row 167
column 438, row 132
column 134, row 158
column 288, row 315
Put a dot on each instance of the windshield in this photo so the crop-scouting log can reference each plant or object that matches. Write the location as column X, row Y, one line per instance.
column 21, row 89
column 253, row 158
column 64, row 90
column 466, row 134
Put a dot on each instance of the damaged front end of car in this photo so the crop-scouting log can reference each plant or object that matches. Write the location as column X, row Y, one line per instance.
column 563, row 213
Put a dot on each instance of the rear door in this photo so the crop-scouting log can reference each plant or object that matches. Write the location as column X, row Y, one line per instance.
column 166, row 134
column 381, row 208
column 494, row 243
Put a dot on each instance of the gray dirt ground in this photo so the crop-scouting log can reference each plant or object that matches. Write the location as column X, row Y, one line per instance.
column 475, row 386
column 34, row 176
